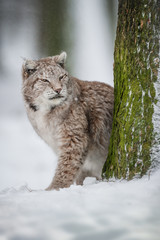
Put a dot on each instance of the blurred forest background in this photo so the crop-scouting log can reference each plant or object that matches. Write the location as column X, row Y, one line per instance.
column 32, row 29
column 85, row 29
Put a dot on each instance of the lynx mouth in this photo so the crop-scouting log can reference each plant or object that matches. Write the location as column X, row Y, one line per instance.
column 55, row 97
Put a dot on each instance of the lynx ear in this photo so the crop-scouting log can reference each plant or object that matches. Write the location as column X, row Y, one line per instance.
column 30, row 64
column 29, row 67
column 61, row 59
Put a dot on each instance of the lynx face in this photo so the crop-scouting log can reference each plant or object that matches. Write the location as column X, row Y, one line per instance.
column 45, row 81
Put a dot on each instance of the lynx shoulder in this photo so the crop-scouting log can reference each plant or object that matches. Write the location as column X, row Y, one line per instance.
column 73, row 117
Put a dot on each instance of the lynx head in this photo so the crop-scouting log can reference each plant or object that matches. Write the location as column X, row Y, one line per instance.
column 45, row 81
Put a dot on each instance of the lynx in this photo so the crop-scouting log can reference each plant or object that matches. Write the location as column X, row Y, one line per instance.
column 72, row 116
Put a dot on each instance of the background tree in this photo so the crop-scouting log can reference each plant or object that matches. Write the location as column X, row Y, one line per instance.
column 54, row 17
column 56, row 27
column 135, row 140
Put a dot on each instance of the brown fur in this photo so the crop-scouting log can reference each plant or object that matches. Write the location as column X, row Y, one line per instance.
column 73, row 117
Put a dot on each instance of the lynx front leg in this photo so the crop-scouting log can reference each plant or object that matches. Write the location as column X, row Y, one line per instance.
column 70, row 161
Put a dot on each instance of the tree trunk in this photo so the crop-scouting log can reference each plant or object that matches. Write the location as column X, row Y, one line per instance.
column 135, row 140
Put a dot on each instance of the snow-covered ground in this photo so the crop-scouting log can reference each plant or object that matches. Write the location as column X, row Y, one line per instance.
column 98, row 210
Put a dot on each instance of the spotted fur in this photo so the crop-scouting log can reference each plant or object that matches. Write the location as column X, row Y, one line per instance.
column 73, row 117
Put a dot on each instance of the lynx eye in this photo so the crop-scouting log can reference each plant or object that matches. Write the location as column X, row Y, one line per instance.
column 45, row 80
column 61, row 77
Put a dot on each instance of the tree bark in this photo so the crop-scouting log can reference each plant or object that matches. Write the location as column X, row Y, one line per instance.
column 135, row 140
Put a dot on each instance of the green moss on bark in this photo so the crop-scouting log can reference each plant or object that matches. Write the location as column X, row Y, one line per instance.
column 135, row 71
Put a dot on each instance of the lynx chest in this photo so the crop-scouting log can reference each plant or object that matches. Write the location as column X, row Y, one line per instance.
column 46, row 128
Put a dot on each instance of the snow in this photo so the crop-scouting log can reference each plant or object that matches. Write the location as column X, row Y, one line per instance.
column 98, row 210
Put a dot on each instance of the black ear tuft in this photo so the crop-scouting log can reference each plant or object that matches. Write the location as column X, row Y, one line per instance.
column 30, row 71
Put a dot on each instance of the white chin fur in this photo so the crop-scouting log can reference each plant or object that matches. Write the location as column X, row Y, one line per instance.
column 56, row 101
column 46, row 104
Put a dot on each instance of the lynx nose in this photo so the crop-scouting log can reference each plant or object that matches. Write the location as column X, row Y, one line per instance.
column 58, row 90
